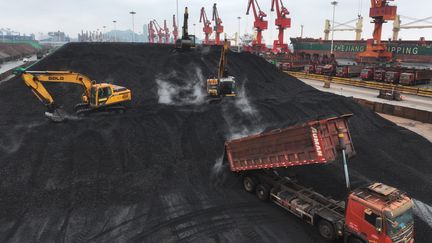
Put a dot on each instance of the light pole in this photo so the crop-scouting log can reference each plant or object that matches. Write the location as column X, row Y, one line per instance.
column 238, row 35
column 133, row 25
column 194, row 29
column 115, row 30
column 301, row 33
column 334, row 3
column 177, row 15
column 103, row 34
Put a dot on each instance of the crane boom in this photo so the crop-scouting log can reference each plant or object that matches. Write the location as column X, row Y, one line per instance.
column 166, row 32
column 218, row 28
column 207, row 29
column 151, row 32
column 159, row 31
column 175, row 29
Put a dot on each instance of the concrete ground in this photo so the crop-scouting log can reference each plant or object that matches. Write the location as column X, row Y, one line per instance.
column 412, row 101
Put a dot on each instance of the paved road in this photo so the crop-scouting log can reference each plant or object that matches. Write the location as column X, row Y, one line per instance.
column 13, row 64
column 412, row 101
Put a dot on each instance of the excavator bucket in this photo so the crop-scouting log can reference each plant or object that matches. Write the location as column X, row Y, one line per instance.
column 58, row 115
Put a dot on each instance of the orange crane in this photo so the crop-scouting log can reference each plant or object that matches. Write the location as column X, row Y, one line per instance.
column 159, row 31
column 175, row 29
column 376, row 51
column 259, row 24
column 207, row 29
column 151, row 32
column 282, row 22
column 218, row 28
column 167, row 33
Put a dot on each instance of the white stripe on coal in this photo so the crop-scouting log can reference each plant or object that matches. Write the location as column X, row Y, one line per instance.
column 423, row 211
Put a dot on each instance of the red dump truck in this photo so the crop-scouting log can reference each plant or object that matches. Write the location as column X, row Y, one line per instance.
column 313, row 142
column 415, row 77
column 309, row 68
column 392, row 77
column 374, row 213
column 349, row 71
column 367, row 73
column 379, row 75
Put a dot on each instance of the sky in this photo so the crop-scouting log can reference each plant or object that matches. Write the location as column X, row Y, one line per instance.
column 72, row 16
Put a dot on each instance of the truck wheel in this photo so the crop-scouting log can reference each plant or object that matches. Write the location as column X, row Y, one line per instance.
column 249, row 184
column 326, row 230
column 263, row 192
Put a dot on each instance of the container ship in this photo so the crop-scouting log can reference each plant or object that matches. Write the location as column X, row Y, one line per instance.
column 405, row 51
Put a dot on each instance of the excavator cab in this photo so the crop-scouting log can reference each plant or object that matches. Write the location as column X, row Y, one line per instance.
column 99, row 95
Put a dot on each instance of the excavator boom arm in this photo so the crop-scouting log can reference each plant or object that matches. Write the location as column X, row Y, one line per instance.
column 35, row 79
column 223, row 59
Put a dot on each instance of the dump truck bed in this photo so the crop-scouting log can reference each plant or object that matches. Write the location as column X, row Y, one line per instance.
column 313, row 142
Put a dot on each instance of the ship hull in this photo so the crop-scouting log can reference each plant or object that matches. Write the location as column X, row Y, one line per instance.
column 405, row 51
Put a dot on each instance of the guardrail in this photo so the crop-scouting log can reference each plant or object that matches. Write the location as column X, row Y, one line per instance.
column 9, row 72
column 364, row 84
column 395, row 110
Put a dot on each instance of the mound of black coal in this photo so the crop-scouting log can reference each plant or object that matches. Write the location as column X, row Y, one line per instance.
column 154, row 173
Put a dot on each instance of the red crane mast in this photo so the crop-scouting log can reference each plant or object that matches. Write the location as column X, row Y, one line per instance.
column 376, row 51
column 166, row 32
column 218, row 28
column 259, row 24
column 207, row 29
column 159, row 31
column 175, row 29
column 283, row 22
column 151, row 32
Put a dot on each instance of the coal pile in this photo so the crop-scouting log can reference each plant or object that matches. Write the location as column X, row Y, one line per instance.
column 154, row 173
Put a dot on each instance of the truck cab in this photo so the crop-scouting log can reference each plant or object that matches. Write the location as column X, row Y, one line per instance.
column 367, row 74
column 379, row 213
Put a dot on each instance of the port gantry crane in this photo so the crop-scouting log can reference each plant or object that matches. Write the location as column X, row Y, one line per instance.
column 159, row 30
column 175, row 29
column 166, row 32
column 151, row 32
column 218, row 28
column 282, row 22
column 207, row 29
column 259, row 24
column 376, row 51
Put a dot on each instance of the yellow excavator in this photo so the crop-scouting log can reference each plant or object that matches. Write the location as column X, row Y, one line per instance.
column 223, row 85
column 96, row 97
